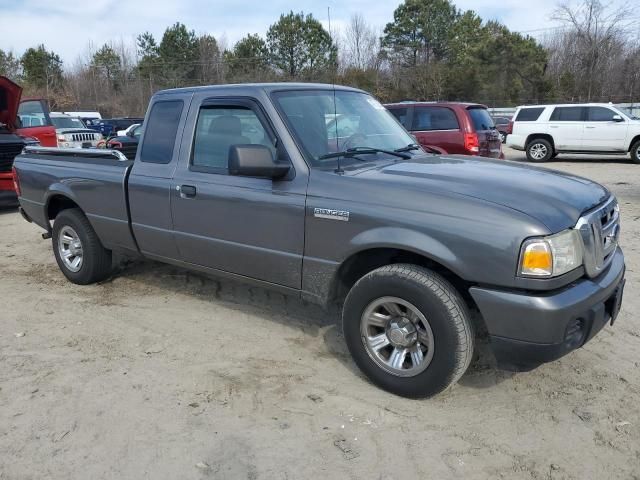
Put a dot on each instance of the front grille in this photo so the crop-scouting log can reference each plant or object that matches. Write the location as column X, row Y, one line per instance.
column 600, row 230
column 83, row 137
column 9, row 151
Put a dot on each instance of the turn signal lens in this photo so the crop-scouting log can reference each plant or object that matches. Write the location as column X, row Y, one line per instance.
column 537, row 259
column 551, row 256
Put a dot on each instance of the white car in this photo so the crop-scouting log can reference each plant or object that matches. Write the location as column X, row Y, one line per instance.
column 543, row 131
column 125, row 132
column 72, row 133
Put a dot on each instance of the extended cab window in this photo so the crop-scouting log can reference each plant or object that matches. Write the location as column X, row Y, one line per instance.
column 567, row 114
column 434, row 118
column 161, row 132
column 218, row 129
column 529, row 114
column 600, row 114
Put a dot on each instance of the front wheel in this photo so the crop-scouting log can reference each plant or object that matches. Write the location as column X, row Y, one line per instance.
column 408, row 330
column 539, row 150
column 635, row 152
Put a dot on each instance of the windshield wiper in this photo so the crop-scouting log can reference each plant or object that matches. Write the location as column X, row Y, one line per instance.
column 352, row 152
column 408, row 148
column 415, row 146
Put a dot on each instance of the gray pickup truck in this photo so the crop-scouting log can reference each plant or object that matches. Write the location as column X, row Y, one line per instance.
column 423, row 252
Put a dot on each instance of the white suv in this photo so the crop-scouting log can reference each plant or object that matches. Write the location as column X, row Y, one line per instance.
column 546, row 130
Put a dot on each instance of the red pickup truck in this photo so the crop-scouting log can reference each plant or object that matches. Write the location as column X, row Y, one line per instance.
column 21, row 123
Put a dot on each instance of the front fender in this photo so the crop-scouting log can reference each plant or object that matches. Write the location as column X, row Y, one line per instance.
column 405, row 239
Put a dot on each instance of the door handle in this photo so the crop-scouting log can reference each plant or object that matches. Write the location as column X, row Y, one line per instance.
column 186, row 191
column 554, row 126
column 589, row 127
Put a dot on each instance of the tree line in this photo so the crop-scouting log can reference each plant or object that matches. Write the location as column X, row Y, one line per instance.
column 430, row 50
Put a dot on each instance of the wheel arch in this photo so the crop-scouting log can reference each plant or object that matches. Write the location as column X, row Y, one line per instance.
column 535, row 136
column 633, row 142
column 58, row 199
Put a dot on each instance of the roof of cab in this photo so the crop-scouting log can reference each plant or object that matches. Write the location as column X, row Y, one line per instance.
column 267, row 87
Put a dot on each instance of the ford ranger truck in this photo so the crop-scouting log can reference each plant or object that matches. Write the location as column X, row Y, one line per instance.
column 420, row 250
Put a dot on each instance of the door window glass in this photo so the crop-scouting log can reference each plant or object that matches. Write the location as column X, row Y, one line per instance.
column 567, row 114
column 434, row 118
column 32, row 114
column 220, row 128
column 601, row 114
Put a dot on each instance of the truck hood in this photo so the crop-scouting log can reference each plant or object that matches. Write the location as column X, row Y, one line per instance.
column 10, row 94
column 553, row 198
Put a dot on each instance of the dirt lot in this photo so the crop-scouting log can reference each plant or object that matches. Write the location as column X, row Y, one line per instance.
column 160, row 373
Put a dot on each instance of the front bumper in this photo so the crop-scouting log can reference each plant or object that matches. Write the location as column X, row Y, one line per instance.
column 527, row 329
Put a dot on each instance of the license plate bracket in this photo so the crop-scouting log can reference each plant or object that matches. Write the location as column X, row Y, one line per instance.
column 615, row 302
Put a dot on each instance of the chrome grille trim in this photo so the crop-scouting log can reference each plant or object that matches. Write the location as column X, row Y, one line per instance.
column 599, row 230
column 83, row 137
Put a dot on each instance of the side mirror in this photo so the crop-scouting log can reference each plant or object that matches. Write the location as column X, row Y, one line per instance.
column 617, row 118
column 255, row 161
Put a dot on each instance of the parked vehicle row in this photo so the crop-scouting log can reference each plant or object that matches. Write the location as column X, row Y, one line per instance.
column 253, row 182
column 544, row 131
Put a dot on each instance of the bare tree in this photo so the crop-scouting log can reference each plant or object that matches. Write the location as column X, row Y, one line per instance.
column 360, row 45
column 594, row 31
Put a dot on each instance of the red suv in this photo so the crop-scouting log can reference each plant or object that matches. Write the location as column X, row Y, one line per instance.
column 450, row 127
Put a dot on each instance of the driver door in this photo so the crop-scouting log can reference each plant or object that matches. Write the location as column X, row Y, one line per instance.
column 247, row 226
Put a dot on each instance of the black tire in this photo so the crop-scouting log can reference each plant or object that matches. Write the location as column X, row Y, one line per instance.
column 635, row 152
column 96, row 260
column 503, row 137
column 447, row 315
column 536, row 146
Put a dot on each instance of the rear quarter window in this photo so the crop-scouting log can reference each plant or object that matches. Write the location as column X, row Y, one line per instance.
column 402, row 114
column 481, row 119
column 529, row 114
column 161, row 131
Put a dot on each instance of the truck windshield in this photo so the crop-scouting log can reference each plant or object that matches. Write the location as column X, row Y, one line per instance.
column 67, row 122
column 355, row 121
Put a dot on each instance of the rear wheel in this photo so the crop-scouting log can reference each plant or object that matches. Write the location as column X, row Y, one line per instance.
column 503, row 137
column 635, row 152
column 78, row 250
column 408, row 330
column 539, row 150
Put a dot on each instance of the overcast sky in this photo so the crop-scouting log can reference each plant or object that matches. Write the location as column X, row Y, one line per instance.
column 69, row 27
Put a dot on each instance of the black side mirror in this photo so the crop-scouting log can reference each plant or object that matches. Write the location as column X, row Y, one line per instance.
column 255, row 161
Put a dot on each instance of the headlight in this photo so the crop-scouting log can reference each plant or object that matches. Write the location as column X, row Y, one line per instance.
column 551, row 256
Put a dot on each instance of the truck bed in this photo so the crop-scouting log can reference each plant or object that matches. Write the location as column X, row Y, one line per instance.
column 95, row 180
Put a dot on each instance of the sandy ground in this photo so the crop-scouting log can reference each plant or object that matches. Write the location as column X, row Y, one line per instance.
column 162, row 374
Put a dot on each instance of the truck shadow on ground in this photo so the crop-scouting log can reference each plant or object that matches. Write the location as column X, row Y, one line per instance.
column 4, row 210
column 288, row 310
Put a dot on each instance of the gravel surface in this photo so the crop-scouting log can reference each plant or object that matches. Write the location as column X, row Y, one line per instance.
column 163, row 374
